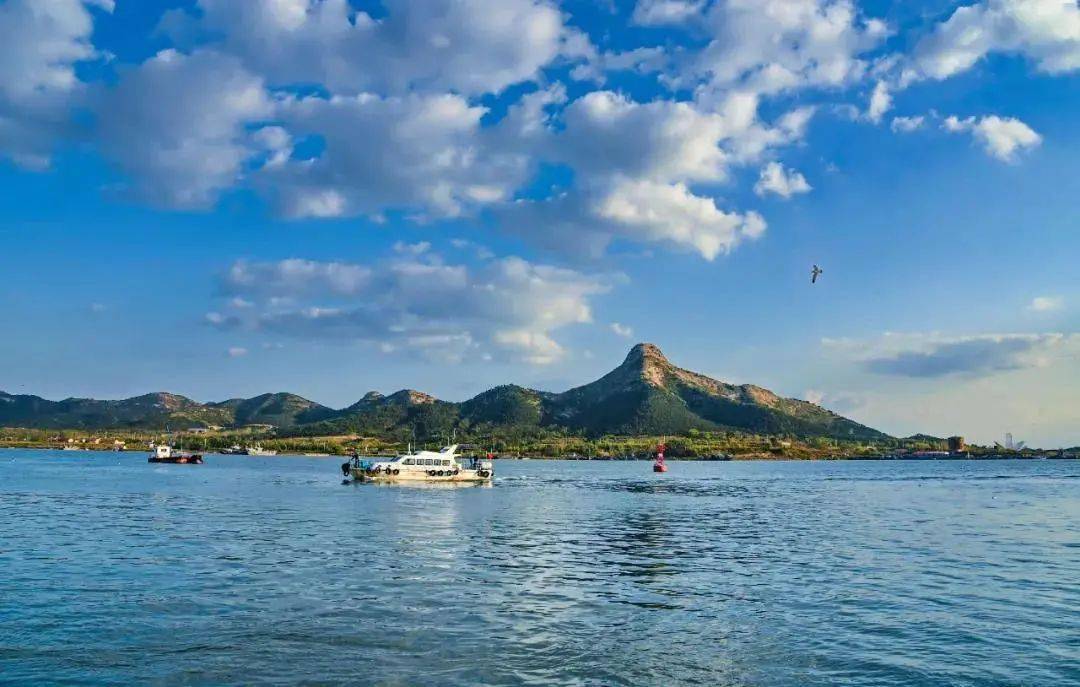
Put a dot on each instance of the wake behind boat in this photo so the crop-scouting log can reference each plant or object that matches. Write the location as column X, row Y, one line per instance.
column 421, row 466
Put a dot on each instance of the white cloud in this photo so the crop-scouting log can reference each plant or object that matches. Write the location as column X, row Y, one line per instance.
column 622, row 330
column 769, row 46
column 424, row 153
column 467, row 46
column 295, row 277
column 446, row 311
column 671, row 213
column 237, row 352
column 636, row 166
column 664, row 12
column 609, row 134
column 1046, row 303
column 177, row 125
column 1044, row 31
column 814, row 396
column 1002, row 138
column 783, row 182
column 932, row 355
column 880, row 102
column 42, row 43
column 418, row 248
column 907, row 125
column 644, row 60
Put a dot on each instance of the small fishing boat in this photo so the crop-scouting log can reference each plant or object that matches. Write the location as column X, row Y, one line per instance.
column 421, row 466
column 165, row 454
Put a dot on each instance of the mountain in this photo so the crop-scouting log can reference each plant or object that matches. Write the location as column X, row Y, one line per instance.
column 280, row 409
column 649, row 395
column 149, row 411
column 507, row 405
column 645, row 395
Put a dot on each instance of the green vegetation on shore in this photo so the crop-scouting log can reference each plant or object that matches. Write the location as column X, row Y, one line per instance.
column 695, row 445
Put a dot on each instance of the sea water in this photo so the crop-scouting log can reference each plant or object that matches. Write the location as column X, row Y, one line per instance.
column 271, row 571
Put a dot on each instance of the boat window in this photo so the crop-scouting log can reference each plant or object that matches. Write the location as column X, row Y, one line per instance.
column 446, row 462
column 427, row 461
column 407, row 461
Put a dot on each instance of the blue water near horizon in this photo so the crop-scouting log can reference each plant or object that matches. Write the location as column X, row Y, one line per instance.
column 270, row 571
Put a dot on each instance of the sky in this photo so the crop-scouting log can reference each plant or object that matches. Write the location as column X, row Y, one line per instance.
column 327, row 197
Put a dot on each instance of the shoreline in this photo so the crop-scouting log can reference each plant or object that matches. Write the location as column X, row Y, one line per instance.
column 732, row 459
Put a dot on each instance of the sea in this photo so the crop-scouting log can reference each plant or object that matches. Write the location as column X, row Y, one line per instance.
column 272, row 571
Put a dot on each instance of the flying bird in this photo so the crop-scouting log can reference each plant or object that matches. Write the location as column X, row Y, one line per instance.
column 814, row 274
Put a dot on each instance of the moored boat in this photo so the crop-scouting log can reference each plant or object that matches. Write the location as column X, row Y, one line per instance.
column 165, row 454
column 258, row 451
column 421, row 466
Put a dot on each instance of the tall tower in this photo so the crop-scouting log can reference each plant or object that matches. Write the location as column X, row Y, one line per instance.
column 1009, row 441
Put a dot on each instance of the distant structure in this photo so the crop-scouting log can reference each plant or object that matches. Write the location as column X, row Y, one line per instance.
column 1010, row 445
column 957, row 445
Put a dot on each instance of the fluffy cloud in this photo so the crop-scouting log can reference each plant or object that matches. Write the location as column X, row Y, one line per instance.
column 294, row 278
column 638, row 168
column 661, row 12
column 906, row 125
column 1001, row 137
column 670, row 212
column 934, row 355
column 416, row 304
column 425, row 153
column 43, row 41
column 177, row 125
column 783, row 182
column 880, row 102
column 1046, row 303
column 814, row 396
column 609, row 134
column 622, row 330
column 331, row 111
column 470, row 46
column 769, row 46
column 1045, row 31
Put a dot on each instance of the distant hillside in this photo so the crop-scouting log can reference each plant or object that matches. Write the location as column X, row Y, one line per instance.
column 645, row 395
column 649, row 395
column 149, row 411
column 280, row 409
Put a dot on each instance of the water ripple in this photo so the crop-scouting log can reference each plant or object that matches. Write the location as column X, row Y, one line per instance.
column 247, row 571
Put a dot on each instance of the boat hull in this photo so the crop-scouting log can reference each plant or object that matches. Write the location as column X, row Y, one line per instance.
column 177, row 460
column 420, row 476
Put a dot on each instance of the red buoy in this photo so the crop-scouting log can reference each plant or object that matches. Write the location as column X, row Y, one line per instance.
column 659, row 465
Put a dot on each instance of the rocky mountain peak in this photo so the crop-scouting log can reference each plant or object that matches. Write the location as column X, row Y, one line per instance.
column 647, row 361
column 410, row 397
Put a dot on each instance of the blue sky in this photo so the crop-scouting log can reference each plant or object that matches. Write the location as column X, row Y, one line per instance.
column 221, row 199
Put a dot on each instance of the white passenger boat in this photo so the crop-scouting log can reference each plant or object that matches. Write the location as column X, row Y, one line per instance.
column 421, row 466
column 258, row 451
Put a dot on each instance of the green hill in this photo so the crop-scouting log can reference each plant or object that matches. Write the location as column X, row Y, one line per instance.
column 645, row 395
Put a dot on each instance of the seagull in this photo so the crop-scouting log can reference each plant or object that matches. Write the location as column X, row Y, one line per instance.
column 814, row 274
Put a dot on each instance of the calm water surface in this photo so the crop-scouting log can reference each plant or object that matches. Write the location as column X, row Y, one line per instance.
column 270, row 571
